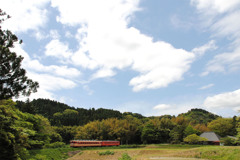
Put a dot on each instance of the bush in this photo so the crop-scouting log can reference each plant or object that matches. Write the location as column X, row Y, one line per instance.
column 229, row 141
column 194, row 139
column 55, row 145
column 106, row 153
column 125, row 156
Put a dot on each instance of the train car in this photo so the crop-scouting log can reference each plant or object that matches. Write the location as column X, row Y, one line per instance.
column 93, row 143
column 84, row 143
column 110, row 143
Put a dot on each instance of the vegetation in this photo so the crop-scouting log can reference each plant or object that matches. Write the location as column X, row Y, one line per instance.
column 194, row 139
column 150, row 151
column 199, row 116
column 106, row 153
column 50, row 153
column 13, row 79
column 125, row 156
column 22, row 132
column 60, row 114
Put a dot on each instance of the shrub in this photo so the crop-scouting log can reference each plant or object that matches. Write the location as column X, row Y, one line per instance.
column 229, row 141
column 106, row 153
column 125, row 156
column 194, row 139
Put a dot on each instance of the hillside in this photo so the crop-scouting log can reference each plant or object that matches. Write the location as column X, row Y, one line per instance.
column 62, row 114
column 199, row 116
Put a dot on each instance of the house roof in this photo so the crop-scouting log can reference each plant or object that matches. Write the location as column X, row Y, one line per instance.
column 211, row 136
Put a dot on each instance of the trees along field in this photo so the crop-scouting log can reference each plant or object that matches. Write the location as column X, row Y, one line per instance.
column 223, row 126
column 21, row 131
column 125, row 130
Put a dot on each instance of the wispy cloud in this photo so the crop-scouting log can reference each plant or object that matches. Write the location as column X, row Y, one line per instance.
column 207, row 86
column 221, row 18
column 199, row 51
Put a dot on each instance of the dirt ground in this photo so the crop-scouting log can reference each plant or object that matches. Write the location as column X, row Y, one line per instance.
column 137, row 154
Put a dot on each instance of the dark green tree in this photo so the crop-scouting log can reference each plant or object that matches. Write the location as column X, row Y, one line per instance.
column 13, row 79
column 149, row 134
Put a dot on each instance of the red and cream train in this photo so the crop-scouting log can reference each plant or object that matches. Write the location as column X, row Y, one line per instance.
column 92, row 143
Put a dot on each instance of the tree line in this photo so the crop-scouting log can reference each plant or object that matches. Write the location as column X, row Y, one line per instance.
column 107, row 124
column 21, row 130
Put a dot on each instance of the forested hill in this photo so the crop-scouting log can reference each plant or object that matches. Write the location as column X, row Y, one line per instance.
column 62, row 114
column 199, row 116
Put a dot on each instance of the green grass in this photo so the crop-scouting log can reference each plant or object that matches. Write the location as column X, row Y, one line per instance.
column 219, row 153
column 193, row 151
column 51, row 153
column 62, row 153
column 177, row 146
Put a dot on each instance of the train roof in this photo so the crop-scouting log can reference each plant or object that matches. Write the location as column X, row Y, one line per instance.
column 94, row 140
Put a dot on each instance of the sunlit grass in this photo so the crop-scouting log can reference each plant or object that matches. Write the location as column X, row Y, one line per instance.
column 146, row 151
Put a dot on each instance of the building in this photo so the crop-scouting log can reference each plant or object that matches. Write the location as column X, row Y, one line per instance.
column 213, row 138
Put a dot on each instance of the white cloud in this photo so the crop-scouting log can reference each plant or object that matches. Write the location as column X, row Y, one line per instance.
column 107, row 43
column 159, row 64
column 52, row 83
column 161, row 107
column 58, row 49
column 207, row 86
column 51, row 78
column 102, row 73
column 94, row 11
column 26, row 15
column 35, row 66
column 199, row 51
column 230, row 100
column 218, row 6
column 173, row 109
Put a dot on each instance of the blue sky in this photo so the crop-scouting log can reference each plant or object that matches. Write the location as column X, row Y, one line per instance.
column 143, row 56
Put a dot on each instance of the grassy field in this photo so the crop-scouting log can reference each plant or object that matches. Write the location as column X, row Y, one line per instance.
column 161, row 152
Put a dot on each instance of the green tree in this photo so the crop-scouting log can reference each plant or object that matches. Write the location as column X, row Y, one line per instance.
column 149, row 133
column 21, row 131
column 66, row 132
column 13, row 79
column 194, row 139
column 11, row 144
column 190, row 130
column 222, row 126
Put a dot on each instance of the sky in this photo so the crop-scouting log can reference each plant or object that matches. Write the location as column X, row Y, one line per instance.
column 142, row 56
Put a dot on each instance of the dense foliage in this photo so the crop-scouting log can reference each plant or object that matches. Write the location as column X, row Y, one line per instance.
column 127, row 127
column 22, row 131
column 61, row 114
column 199, row 116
